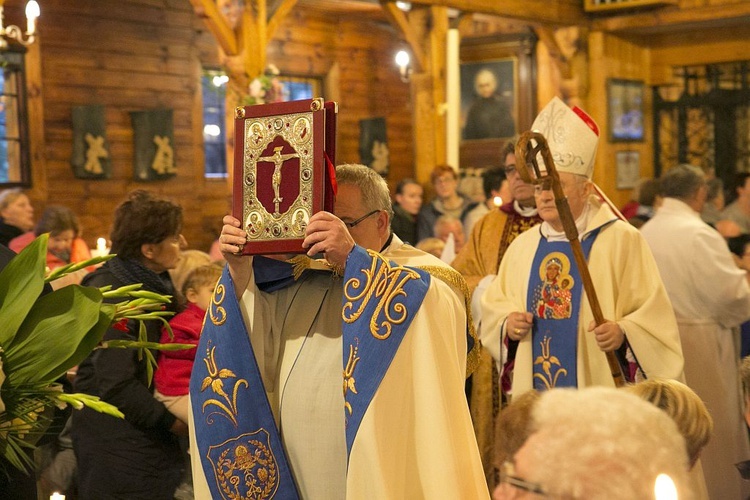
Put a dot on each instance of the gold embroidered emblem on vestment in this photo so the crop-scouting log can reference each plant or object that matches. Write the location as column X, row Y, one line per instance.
column 384, row 283
column 227, row 407
column 548, row 362
column 349, row 381
column 245, row 467
column 217, row 313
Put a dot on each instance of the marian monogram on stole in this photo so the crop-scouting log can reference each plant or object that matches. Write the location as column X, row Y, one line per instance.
column 382, row 285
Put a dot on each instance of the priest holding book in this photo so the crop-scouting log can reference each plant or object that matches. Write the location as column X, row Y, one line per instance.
column 376, row 317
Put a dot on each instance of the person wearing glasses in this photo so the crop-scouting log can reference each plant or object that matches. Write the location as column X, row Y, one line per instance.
column 559, row 344
column 478, row 262
column 597, row 443
column 401, row 427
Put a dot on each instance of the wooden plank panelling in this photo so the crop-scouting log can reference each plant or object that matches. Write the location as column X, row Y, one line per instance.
column 132, row 55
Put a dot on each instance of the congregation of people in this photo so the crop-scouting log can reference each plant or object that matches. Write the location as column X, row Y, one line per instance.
column 475, row 364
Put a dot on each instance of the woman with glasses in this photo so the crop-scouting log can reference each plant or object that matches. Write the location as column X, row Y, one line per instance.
column 597, row 443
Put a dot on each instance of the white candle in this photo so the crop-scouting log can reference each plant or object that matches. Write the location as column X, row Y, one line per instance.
column 56, row 496
column 101, row 246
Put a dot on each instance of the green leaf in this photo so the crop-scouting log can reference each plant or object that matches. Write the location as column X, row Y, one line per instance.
column 150, row 363
column 12, row 448
column 21, row 283
column 88, row 343
column 51, row 332
column 78, row 401
column 77, row 266
column 133, row 344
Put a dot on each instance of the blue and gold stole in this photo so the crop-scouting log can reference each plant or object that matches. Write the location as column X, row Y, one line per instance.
column 380, row 299
column 238, row 441
column 554, row 298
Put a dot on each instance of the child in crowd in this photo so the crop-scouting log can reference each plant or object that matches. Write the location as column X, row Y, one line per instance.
column 189, row 260
column 172, row 376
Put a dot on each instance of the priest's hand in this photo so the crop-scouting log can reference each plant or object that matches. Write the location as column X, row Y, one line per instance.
column 328, row 234
column 609, row 335
column 519, row 324
column 231, row 242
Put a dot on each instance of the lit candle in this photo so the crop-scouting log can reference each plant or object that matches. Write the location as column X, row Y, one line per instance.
column 56, row 496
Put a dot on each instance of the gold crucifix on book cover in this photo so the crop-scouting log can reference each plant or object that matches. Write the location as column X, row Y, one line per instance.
column 283, row 171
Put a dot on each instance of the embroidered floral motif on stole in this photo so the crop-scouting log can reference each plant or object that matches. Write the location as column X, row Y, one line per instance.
column 548, row 361
column 215, row 380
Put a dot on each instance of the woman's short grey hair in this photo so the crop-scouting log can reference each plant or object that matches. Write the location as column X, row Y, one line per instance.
column 375, row 193
column 8, row 196
column 682, row 181
column 608, row 433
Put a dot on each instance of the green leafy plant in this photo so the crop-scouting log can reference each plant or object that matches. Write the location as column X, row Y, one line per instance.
column 42, row 336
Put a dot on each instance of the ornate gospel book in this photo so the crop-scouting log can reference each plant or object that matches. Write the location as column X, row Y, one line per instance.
column 284, row 157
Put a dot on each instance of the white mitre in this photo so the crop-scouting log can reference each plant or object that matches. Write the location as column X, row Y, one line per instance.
column 572, row 136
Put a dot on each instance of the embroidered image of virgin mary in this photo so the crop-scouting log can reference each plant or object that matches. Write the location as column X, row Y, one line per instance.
column 552, row 297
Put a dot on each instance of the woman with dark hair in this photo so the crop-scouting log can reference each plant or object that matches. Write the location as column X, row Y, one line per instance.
column 137, row 457
column 408, row 202
column 64, row 245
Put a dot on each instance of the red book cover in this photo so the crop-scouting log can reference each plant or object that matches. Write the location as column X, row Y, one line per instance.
column 283, row 171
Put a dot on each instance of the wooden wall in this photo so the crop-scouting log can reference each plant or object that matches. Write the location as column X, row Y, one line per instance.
column 652, row 59
column 126, row 56
column 613, row 57
column 357, row 61
column 130, row 55
column 133, row 55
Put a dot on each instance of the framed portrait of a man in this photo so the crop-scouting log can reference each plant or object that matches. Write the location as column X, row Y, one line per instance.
column 497, row 95
column 488, row 106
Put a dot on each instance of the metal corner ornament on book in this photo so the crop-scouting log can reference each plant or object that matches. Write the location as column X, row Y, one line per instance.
column 284, row 158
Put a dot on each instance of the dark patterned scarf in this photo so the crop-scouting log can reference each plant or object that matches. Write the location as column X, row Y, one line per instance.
column 131, row 271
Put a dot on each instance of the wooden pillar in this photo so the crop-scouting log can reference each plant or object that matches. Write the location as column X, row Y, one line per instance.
column 36, row 120
column 425, row 28
column 242, row 32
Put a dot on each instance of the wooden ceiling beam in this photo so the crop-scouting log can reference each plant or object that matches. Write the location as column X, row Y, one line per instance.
column 696, row 16
column 225, row 37
column 547, row 37
column 254, row 40
column 562, row 12
column 278, row 16
column 399, row 19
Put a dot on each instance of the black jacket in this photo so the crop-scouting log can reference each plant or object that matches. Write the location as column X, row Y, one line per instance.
column 134, row 457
